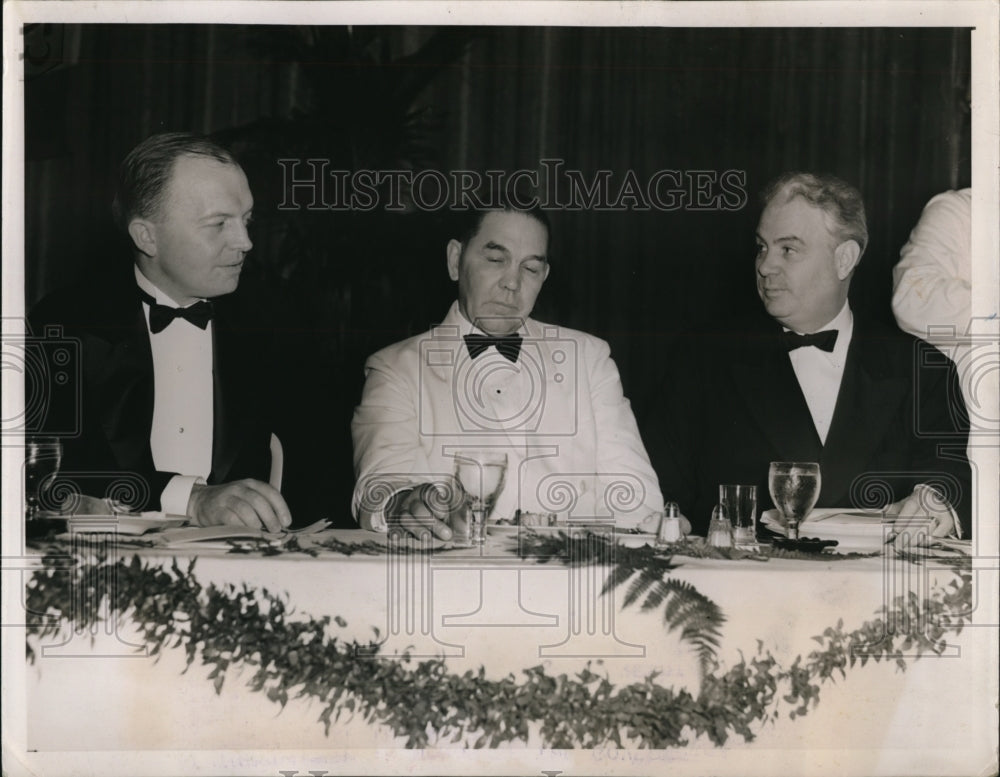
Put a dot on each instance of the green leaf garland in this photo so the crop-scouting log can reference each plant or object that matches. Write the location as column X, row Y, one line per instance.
column 426, row 705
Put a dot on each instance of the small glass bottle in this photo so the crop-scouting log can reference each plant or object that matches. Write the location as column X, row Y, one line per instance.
column 720, row 530
column 670, row 525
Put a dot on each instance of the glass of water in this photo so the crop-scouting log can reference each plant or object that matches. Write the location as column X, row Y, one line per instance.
column 481, row 475
column 794, row 487
column 741, row 504
column 42, row 459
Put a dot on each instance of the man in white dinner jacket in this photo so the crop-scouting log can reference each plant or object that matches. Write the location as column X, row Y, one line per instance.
column 489, row 377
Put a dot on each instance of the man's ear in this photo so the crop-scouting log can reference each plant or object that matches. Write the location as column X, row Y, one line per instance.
column 846, row 256
column 143, row 235
column 454, row 258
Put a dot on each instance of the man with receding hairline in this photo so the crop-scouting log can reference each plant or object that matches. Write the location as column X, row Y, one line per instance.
column 813, row 381
column 181, row 383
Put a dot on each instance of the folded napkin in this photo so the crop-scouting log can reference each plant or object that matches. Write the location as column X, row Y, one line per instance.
column 831, row 519
column 853, row 529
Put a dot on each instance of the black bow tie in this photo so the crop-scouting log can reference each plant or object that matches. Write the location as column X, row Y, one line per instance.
column 160, row 316
column 824, row 340
column 508, row 346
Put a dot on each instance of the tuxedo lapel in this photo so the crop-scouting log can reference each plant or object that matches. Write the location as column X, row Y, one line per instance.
column 763, row 376
column 866, row 405
column 123, row 385
column 233, row 382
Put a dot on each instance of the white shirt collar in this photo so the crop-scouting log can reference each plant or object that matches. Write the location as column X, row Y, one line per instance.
column 153, row 290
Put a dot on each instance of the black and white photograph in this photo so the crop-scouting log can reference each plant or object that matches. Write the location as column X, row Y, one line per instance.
column 501, row 388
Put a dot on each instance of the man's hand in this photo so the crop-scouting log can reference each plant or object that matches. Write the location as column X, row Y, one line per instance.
column 924, row 502
column 427, row 508
column 250, row 503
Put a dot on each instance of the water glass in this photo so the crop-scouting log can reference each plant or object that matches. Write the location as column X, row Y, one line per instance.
column 42, row 459
column 794, row 487
column 741, row 503
column 481, row 475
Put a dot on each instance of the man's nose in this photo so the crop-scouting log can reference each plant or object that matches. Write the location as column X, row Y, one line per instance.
column 511, row 280
column 241, row 238
column 765, row 266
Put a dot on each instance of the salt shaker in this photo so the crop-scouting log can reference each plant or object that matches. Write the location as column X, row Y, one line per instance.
column 720, row 530
column 670, row 524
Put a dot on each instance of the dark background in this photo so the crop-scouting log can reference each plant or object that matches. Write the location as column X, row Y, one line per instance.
column 885, row 109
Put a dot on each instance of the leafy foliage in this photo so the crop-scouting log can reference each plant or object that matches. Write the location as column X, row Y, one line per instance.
column 425, row 705
column 698, row 618
column 307, row 544
column 562, row 544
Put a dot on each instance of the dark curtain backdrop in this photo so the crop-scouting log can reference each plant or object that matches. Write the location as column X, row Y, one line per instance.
column 882, row 108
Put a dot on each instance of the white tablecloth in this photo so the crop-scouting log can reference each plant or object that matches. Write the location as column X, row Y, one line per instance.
column 87, row 701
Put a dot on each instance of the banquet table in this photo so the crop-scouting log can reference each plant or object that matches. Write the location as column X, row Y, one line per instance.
column 583, row 651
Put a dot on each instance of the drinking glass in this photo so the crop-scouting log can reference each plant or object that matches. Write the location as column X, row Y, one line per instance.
column 481, row 475
column 794, row 487
column 42, row 459
column 741, row 502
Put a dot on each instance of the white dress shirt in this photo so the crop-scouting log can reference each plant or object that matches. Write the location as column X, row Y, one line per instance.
column 506, row 390
column 183, row 411
column 819, row 373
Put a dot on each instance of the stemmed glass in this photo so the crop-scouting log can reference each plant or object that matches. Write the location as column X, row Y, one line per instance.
column 481, row 475
column 42, row 459
column 794, row 487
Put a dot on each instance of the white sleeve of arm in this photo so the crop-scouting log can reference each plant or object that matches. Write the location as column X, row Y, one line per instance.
column 932, row 283
column 620, row 450
column 177, row 493
column 387, row 451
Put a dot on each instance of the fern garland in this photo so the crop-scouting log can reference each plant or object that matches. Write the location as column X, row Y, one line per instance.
column 426, row 705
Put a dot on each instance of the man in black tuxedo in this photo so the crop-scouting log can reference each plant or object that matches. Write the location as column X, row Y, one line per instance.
column 880, row 411
column 183, row 378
